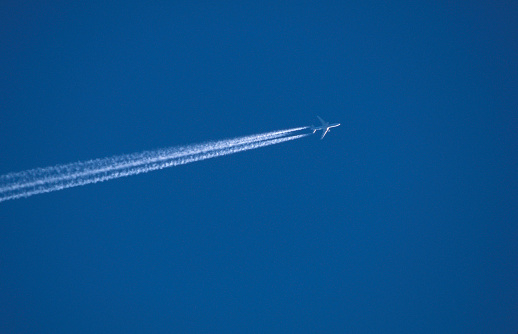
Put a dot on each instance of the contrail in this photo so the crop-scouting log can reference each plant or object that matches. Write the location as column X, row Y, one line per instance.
column 43, row 180
column 40, row 176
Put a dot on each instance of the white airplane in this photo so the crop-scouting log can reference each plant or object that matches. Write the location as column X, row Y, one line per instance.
column 325, row 127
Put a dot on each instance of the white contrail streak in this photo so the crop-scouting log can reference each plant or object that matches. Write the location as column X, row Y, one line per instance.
column 13, row 181
column 43, row 180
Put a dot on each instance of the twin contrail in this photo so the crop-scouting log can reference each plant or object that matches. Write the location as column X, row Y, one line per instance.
column 44, row 180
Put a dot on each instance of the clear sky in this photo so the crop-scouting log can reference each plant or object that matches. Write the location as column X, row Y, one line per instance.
column 402, row 220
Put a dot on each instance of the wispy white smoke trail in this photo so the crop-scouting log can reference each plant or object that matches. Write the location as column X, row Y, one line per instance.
column 13, row 181
column 43, row 180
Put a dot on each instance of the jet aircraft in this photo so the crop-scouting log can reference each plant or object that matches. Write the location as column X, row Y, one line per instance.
column 325, row 127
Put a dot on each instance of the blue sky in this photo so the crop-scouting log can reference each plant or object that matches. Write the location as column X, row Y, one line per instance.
column 402, row 220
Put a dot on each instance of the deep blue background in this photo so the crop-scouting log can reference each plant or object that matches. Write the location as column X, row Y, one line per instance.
column 404, row 219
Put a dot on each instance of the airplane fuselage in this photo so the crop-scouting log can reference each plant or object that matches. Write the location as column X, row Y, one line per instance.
column 334, row 125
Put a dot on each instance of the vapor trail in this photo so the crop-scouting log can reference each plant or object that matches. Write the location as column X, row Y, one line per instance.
column 38, row 176
column 43, row 180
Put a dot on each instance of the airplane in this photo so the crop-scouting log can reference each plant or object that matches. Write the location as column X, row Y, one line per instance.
column 325, row 127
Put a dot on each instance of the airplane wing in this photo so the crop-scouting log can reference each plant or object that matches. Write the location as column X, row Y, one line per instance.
column 324, row 133
column 321, row 120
